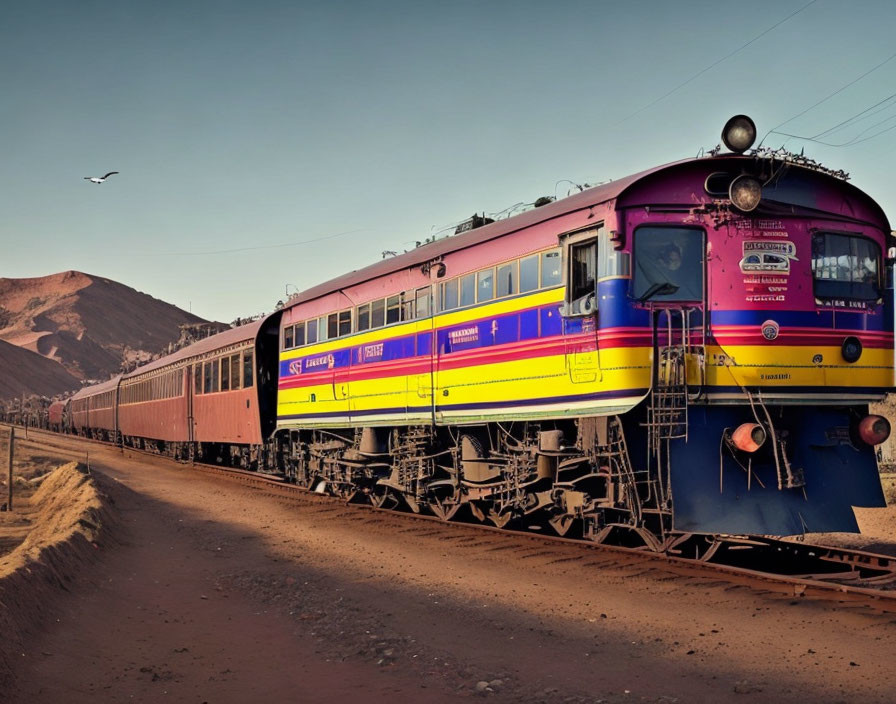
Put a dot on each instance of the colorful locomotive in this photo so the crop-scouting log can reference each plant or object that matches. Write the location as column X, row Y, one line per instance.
column 691, row 349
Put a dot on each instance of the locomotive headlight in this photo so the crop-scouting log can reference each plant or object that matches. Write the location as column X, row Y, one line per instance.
column 739, row 133
column 874, row 429
column 748, row 437
column 851, row 349
column 745, row 193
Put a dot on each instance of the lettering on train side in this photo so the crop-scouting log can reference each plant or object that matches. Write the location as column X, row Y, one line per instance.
column 322, row 361
column 468, row 334
column 367, row 353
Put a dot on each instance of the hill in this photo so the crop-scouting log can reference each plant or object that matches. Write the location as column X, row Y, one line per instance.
column 29, row 373
column 88, row 324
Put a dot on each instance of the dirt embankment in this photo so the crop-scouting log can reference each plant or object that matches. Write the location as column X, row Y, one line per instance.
column 57, row 520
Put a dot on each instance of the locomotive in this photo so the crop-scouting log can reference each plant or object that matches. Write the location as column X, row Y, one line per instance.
column 688, row 350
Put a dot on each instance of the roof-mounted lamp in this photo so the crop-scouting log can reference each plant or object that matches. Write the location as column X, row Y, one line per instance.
column 745, row 193
column 739, row 133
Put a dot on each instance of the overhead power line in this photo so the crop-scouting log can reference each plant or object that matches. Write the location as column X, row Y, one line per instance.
column 257, row 247
column 826, row 98
column 716, row 63
column 853, row 119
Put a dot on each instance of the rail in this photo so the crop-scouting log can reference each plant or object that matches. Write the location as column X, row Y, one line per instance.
column 784, row 566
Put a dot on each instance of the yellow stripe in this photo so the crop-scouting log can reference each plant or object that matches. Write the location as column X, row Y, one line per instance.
column 454, row 317
column 762, row 365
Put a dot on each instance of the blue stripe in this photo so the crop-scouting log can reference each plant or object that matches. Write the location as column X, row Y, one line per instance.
column 615, row 310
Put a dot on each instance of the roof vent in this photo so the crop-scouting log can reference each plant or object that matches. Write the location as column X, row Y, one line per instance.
column 472, row 223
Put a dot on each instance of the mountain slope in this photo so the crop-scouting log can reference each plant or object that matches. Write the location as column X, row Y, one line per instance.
column 26, row 372
column 86, row 323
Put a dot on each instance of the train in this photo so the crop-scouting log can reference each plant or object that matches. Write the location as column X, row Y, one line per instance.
column 689, row 350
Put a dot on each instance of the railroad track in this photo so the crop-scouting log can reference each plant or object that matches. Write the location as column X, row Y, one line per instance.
column 788, row 567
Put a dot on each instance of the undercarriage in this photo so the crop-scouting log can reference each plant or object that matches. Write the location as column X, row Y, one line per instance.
column 574, row 477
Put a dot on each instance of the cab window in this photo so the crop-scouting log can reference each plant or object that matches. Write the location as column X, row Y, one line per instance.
column 668, row 264
column 845, row 266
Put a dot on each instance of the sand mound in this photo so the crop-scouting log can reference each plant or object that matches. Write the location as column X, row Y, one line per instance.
column 68, row 517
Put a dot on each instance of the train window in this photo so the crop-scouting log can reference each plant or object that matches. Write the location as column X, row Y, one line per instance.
column 845, row 266
column 393, row 309
column 468, row 290
column 332, row 326
column 668, row 264
column 611, row 263
column 505, row 280
column 207, row 378
column 287, row 337
column 248, row 377
column 225, row 374
column 310, row 332
column 422, row 302
column 485, row 285
column 378, row 313
column 582, row 270
column 345, row 322
column 299, row 339
column 408, row 305
column 235, row 369
column 449, row 294
column 322, row 328
column 364, row 317
column 551, row 269
column 529, row 273
column 215, row 375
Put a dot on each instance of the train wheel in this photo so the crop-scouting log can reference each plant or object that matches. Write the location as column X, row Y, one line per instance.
column 562, row 523
column 500, row 518
column 443, row 507
column 346, row 492
column 382, row 497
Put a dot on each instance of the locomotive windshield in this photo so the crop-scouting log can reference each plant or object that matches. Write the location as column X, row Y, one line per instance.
column 668, row 264
column 845, row 266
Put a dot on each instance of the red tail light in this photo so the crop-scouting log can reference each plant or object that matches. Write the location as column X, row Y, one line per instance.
column 874, row 429
column 748, row 437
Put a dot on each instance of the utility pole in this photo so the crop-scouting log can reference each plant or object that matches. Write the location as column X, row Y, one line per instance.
column 12, row 437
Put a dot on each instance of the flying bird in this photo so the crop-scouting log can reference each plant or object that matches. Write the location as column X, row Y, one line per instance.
column 99, row 180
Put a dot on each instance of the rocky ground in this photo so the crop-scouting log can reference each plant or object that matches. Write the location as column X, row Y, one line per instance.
column 198, row 590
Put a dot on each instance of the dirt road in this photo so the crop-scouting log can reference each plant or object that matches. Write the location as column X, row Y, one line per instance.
column 214, row 592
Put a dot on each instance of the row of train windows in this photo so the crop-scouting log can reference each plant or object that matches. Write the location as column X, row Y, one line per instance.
column 228, row 373
column 523, row 275
column 222, row 374
column 167, row 385
column 94, row 403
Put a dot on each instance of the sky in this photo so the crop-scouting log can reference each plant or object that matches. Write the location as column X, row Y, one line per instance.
column 266, row 147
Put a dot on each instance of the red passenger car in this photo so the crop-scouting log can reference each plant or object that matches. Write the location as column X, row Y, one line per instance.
column 57, row 416
column 203, row 400
column 94, row 410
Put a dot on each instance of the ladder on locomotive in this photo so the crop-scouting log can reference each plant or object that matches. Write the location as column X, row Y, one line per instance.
column 673, row 348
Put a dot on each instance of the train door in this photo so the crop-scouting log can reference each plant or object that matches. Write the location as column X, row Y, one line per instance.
column 670, row 281
column 192, row 379
column 424, row 338
column 579, row 311
column 339, row 325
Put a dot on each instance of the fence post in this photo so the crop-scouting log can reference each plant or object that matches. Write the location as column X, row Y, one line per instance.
column 12, row 438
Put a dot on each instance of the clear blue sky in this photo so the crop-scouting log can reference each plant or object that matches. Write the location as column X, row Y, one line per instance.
column 248, row 125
